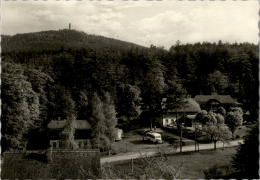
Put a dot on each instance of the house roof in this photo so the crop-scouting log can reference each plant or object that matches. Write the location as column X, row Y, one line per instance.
column 223, row 99
column 59, row 124
column 190, row 105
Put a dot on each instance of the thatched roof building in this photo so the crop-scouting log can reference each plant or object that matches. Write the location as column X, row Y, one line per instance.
column 189, row 106
column 223, row 99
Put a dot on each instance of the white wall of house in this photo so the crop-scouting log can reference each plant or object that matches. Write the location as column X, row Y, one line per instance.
column 166, row 121
column 171, row 119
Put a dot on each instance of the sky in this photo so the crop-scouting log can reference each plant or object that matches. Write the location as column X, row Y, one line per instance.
column 144, row 22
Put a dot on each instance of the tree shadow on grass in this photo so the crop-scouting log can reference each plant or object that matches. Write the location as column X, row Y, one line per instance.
column 144, row 142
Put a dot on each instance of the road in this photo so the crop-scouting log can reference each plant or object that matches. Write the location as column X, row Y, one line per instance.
column 168, row 150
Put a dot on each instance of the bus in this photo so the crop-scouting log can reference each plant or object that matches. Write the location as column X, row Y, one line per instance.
column 153, row 137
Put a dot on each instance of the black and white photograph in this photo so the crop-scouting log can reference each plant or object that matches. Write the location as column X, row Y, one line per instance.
column 129, row 89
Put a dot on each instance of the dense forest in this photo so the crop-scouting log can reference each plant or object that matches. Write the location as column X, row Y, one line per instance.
column 69, row 74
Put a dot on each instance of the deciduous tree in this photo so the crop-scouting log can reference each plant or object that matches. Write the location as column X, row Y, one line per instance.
column 217, row 132
column 234, row 119
column 20, row 110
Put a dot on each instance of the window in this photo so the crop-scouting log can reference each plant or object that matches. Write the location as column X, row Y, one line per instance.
column 151, row 135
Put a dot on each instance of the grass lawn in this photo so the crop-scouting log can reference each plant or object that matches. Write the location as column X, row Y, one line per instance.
column 133, row 142
column 193, row 164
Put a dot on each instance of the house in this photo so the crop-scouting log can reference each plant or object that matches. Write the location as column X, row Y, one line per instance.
column 170, row 116
column 82, row 133
column 212, row 102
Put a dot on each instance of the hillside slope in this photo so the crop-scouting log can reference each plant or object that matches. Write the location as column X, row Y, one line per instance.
column 62, row 39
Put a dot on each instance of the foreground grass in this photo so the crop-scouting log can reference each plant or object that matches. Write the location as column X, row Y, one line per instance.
column 61, row 165
column 192, row 164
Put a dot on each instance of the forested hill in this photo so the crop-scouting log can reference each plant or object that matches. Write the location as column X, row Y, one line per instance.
column 72, row 75
column 62, row 39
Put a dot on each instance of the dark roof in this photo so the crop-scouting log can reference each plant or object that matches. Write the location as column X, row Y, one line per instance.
column 59, row 124
column 190, row 105
column 223, row 99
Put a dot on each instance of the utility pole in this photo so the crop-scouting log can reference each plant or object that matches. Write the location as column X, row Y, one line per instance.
column 195, row 138
column 69, row 26
column 132, row 166
column 182, row 124
column 181, row 139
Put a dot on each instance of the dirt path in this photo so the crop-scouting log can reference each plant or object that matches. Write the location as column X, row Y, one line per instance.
column 168, row 150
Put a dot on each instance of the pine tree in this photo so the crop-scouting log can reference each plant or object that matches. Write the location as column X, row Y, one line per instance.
column 110, row 116
column 70, row 127
column 98, row 123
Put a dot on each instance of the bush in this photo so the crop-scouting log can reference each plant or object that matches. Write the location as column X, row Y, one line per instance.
column 219, row 172
column 246, row 160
